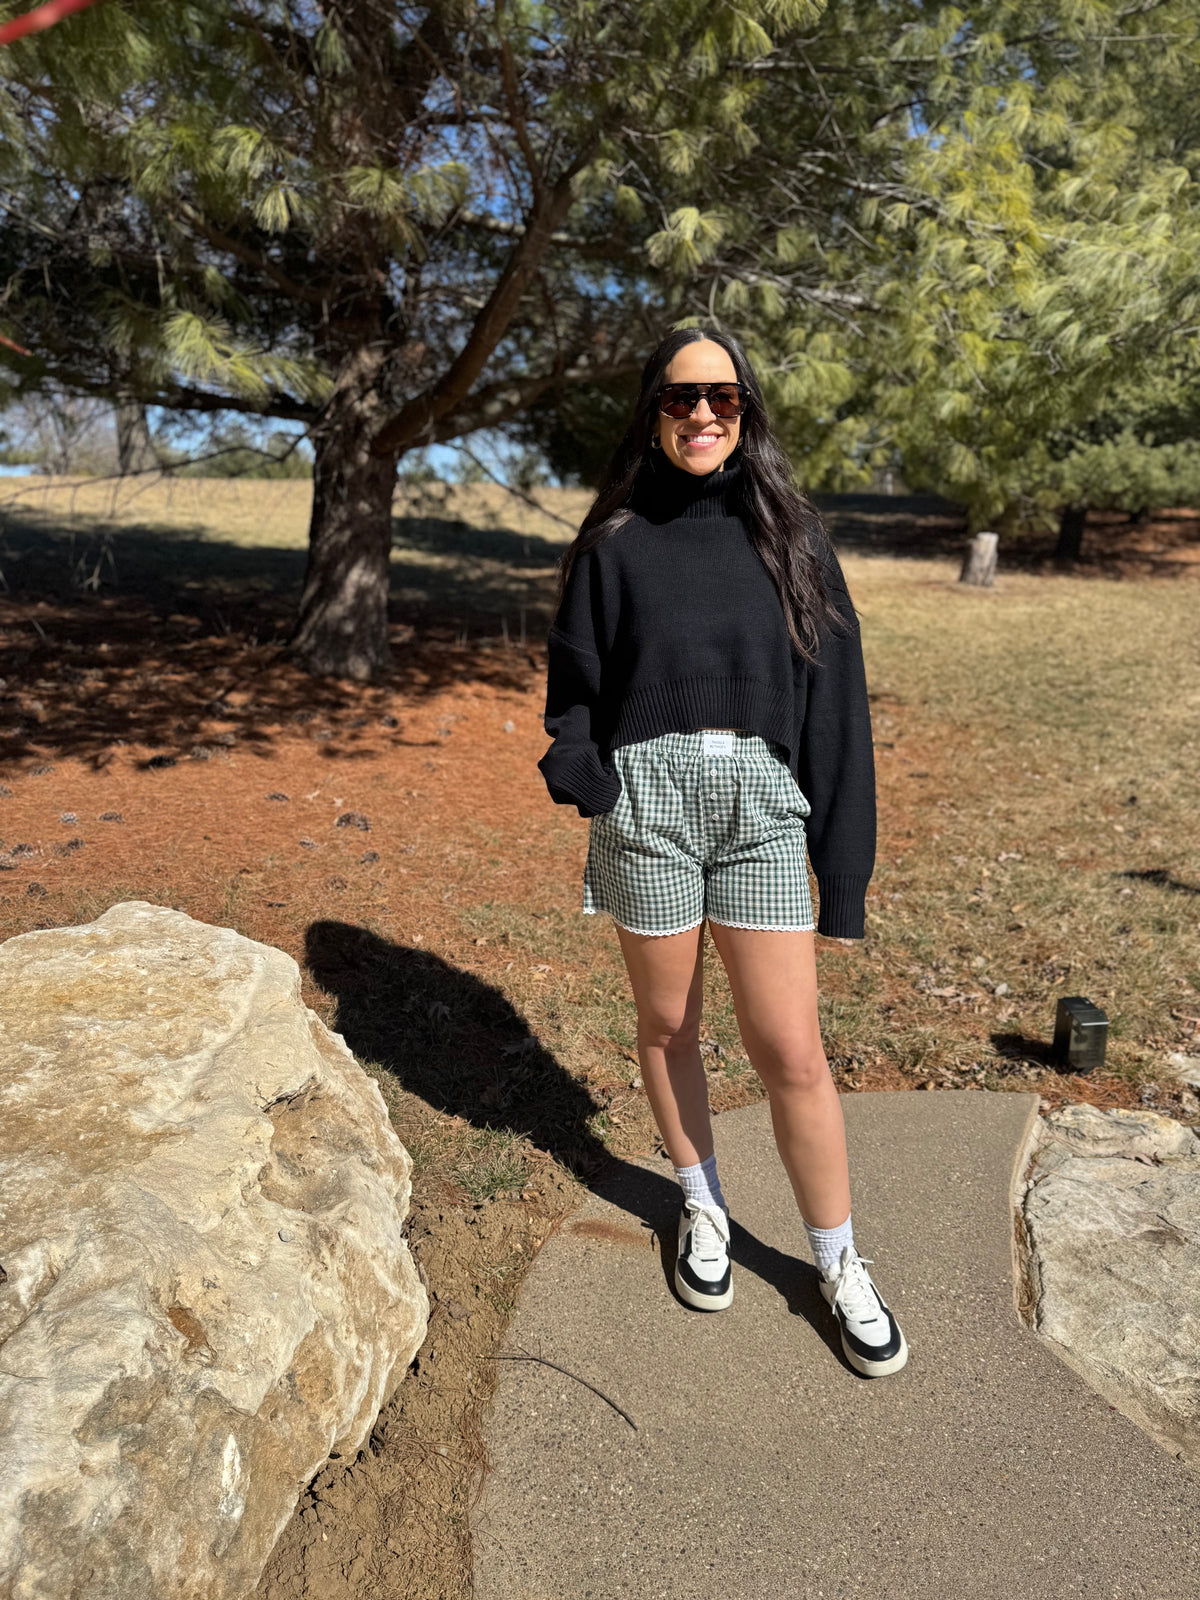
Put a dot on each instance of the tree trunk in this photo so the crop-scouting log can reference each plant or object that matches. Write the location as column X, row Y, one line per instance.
column 980, row 565
column 1070, row 533
column 342, row 631
column 134, row 449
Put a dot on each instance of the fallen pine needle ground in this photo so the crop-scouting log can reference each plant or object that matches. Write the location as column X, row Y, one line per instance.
column 1037, row 759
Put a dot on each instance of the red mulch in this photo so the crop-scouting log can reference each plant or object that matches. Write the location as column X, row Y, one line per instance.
column 204, row 773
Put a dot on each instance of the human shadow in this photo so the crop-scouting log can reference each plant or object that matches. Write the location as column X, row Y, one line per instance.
column 453, row 1040
column 461, row 1046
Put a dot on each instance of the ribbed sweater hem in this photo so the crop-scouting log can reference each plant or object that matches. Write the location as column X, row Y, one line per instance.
column 680, row 705
column 843, row 911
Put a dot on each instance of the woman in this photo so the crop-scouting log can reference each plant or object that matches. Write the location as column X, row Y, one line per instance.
column 708, row 711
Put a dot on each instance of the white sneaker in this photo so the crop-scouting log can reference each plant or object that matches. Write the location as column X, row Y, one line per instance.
column 871, row 1338
column 703, row 1276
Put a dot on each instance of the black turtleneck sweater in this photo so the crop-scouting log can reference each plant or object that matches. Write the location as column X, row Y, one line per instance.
column 673, row 623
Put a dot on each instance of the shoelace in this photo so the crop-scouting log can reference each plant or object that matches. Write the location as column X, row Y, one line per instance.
column 854, row 1293
column 710, row 1231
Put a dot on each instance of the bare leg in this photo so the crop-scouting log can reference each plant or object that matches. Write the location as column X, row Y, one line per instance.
column 667, row 976
column 773, row 977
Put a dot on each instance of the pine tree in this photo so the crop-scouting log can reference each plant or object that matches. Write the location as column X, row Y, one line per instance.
column 391, row 223
column 960, row 234
column 1045, row 298
column 975, row 261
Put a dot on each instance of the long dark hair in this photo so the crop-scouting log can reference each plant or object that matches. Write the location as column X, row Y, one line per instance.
column 782, row 522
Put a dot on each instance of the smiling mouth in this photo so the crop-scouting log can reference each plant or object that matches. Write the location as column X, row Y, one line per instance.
column 701, row 441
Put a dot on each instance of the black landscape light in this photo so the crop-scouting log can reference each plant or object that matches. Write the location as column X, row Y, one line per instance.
column 1080, row 1034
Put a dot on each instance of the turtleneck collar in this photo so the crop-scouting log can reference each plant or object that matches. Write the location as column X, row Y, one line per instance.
column 670, row 494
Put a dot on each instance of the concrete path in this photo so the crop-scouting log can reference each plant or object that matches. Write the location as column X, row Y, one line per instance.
column 763, row 1467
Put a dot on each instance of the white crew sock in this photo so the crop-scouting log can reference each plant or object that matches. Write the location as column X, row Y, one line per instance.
column 701, row 1184
column 827, row 1244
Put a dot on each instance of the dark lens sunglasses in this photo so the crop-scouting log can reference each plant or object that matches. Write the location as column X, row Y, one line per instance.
column 679, row 400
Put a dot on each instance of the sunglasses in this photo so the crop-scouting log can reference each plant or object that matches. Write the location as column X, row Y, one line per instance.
column 679, row 400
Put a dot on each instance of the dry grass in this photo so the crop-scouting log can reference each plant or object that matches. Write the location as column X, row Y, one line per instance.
column 228, row 556
column 271, row 513
column 447, row 945
column 1052, row 845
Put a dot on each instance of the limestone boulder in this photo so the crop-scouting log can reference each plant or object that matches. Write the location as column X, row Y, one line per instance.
column 205, row 1289
column 1111, row 1211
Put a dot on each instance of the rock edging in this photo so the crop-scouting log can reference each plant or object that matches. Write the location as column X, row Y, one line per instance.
column 207, row 1288
column 1109, row 1227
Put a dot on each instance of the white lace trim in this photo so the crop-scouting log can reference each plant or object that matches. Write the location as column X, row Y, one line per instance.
column 646, row 933
column 665, row 933
column 766, row 927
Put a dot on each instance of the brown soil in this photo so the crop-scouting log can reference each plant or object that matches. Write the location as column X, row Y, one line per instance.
column 398, row 842
column 134, row 783
column 397, row 1521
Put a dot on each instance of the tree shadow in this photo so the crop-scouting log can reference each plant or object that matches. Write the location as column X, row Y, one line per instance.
column 918, row 526
column 923, row 526
column 60, row 556
column 460, row 1045
column 1162, row 879
column 139, row 632
column 491, row 541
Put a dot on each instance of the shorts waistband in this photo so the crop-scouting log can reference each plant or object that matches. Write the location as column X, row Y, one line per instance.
column 691, row 744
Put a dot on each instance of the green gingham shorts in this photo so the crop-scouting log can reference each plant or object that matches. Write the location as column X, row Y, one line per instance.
column 697, row 834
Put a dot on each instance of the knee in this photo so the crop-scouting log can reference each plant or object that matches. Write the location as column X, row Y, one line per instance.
column 677, row 1033
column 799, row 1074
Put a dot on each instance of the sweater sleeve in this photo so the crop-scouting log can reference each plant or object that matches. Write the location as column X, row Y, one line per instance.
column 574, row 770
column 836, row 768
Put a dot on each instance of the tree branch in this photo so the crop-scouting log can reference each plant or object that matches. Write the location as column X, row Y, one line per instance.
column 500, row 402
column 516, row 115
column 842, row 299
column 417, row 422
column 182, row 397
column 607, row 247
column 512, row 488
column 525, row 1355
column 250, row 257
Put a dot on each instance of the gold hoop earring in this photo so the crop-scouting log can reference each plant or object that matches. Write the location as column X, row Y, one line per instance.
column 655, row 442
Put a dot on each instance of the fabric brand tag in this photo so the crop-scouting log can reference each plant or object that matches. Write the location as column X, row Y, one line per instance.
column 718, row 744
